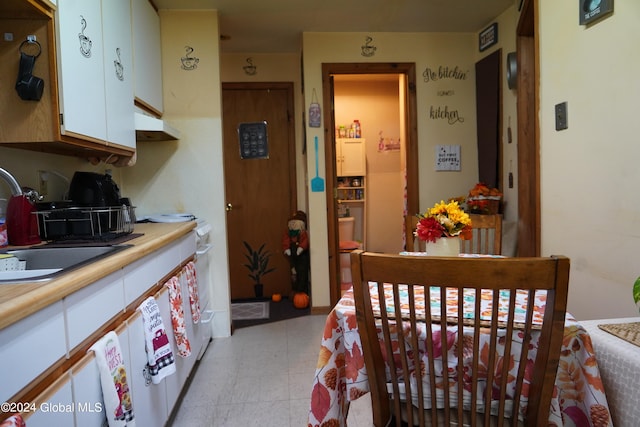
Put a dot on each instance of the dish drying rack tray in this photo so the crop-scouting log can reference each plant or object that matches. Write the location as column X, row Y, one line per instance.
column 86, row 223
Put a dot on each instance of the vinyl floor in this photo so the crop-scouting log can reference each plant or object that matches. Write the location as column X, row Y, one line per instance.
column 261, row 376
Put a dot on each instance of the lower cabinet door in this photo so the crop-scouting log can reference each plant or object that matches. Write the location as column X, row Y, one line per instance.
column 149, row 400
column 54, row 406
column 184, row 365
column 87, row 393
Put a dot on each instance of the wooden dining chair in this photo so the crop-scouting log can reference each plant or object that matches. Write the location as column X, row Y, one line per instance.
column 486, row 235
column 497, row 372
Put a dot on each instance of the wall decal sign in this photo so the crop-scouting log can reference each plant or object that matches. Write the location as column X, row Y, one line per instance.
column 444, row 73
column 444, row 113
column 250, row 69
column 488, row 37
column 189, row 63
column 367, row 49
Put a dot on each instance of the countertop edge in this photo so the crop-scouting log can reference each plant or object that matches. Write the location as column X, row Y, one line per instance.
column 37, row 296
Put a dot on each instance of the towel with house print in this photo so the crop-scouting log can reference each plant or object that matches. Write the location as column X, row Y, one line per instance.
column 189, row 271
column 113, row 380
column 160, row 360
column 177, row 317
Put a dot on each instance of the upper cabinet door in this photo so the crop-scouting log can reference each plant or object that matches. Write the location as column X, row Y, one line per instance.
column 147, row 56
column 351, row 159
column 118, row 72
column 81, row 68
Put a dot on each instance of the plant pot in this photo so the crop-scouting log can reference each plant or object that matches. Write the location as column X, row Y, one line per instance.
column 258, row 289
column 444, row 246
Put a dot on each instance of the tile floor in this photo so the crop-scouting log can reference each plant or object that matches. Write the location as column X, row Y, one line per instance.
column 260, row 377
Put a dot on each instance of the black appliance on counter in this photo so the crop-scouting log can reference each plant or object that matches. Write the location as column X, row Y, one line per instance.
column 95, row 211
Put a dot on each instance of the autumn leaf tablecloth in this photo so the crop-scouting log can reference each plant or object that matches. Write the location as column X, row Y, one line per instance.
column 579, row 397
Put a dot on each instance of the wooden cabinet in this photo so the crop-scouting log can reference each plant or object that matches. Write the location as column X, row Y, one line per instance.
column 80, row 113
column 147, row 57
column 350, row 157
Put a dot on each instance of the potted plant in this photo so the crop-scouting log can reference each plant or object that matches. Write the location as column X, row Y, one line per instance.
column 636, row 291
column 258, row 266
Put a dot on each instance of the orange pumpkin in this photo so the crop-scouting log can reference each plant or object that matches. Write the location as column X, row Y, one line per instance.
column 301, row 300
column 276, row 297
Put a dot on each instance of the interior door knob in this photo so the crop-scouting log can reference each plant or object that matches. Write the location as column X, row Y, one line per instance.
column 229, row 207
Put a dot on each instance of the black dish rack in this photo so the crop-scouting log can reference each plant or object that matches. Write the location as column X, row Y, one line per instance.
column 86, row 223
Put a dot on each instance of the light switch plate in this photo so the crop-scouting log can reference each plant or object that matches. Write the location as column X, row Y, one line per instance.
column 561, row 116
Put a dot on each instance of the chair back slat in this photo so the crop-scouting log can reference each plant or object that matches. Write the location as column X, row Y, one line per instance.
column 429, row 366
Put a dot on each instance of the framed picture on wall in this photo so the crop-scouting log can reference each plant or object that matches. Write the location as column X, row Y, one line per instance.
column 488, row 37
column 592, row 10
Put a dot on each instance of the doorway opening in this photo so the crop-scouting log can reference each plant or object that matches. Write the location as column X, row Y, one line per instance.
column 374, row 200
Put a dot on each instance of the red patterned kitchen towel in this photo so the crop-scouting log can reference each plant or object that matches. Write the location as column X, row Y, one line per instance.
column 113, row 379
column 189, row 271
column 14, row 421
column 160, row 360
column 177, row 317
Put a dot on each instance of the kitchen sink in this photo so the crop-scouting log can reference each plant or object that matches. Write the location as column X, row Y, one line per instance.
column 41, row 264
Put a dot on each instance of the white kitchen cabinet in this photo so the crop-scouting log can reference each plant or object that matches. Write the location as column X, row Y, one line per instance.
column 118, row 72
column 350, row 157
column 147, row 54
column 29, row 347
column 54, row 406
column 92, row 306
column 95, row 68
column 87, row 391
column 149, row 400
column 184, row 365
column 81, row 68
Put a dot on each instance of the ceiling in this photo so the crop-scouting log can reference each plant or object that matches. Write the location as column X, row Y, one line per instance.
column 270, row 26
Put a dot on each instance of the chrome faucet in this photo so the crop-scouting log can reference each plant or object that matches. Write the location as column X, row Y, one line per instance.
column 11, row 181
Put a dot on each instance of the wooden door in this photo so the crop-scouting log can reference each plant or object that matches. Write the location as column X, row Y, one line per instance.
column 488, row 113
column 260, row 192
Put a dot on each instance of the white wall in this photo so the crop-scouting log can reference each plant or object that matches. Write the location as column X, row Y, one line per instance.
column 589, row 172
column 428, row 51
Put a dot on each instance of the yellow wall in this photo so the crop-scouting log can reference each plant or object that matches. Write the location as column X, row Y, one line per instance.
column 428, row 51
column 589, row 172
column 187, row 175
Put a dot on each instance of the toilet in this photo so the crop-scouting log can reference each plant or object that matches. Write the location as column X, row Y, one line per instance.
column 346, row 227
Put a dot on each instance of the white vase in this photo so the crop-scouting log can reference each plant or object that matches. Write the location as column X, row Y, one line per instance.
column 444, row 246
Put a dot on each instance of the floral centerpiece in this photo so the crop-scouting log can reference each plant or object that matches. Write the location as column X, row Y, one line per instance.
column 443, row 220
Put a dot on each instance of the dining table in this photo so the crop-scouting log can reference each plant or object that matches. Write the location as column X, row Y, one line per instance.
column 616, row 343
column 341, row 377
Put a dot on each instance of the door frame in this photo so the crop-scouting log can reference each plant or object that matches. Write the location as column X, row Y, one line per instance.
column 528, row 105
column 411, row 124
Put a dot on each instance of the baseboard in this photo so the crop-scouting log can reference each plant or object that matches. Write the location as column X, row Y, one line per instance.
column 320, row 310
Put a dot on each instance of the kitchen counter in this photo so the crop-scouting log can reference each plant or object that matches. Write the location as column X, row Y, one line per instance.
column 20, row 300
